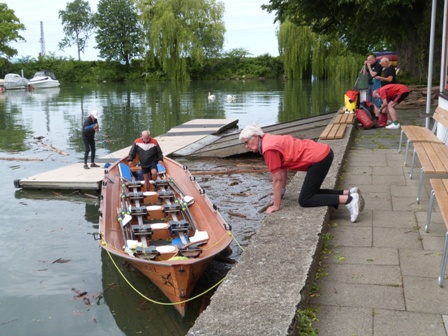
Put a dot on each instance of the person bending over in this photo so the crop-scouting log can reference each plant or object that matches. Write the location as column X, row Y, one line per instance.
column 391, row 95
column 149, row 154
column 284, row 152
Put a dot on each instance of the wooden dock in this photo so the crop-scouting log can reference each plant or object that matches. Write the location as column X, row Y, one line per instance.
column 193, row 133
column 227, row 145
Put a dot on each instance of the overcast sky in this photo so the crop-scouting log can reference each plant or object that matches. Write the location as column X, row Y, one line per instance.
column 247, row 25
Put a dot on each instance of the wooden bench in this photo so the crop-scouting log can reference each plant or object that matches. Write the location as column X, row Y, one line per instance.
column 333, row 131
column 440, row 193
column 433, row 158
column 345, row 118
column 422, row 134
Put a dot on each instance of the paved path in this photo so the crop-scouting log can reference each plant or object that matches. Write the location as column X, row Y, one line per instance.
column 382, row 270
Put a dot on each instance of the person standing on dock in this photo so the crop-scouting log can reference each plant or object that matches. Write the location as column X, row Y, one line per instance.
column 89, row 127
column 149, row 153
column 284, row 152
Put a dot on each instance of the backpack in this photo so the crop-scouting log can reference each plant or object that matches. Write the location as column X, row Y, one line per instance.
column 364, row 118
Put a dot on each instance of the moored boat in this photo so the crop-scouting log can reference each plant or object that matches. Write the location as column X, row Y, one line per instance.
column 170, row 233
column 43, row 79
column 15, row 82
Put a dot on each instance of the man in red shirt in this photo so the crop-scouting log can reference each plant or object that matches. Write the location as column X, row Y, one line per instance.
column 391, row 95
column 284, row 152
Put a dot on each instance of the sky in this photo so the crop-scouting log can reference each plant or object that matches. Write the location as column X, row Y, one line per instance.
column 247, row 26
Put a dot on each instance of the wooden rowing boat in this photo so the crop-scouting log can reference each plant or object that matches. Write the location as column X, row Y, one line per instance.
column 170, row 233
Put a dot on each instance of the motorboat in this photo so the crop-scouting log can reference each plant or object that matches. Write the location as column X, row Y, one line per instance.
column 43, row 79
column 15, row 82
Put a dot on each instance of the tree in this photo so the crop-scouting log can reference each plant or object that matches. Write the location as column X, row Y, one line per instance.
column 305, row 52
column 119, row 33
column 366, row 25
column 178, row 31
column 78, row 26
column 9, row 31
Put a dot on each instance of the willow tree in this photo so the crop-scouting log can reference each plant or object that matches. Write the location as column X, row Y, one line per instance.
column 305, row 52
column 182, row 31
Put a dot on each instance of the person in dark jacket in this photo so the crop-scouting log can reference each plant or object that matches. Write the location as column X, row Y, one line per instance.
column 89, row 127
column 149, row 154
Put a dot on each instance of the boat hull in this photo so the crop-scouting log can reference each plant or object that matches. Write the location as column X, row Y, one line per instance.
column 43, row 84
column 174, row 274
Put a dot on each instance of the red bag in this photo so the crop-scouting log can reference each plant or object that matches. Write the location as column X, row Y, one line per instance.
column 364, row 119
column 382, row 120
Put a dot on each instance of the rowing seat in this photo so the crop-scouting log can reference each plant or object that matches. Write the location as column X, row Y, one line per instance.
column 190, row 252
column 166, row 194
column 181, row 226
column 140, row 230
column 160, row 183
column 148, row 252
column 138, row 195
column 134, row 184
column 139, row 211
column 170, row 208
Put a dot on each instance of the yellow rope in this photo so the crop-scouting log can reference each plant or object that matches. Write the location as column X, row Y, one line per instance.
column 236, row 241
column 104, row 243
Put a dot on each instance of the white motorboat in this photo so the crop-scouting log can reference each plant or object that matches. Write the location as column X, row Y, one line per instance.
column 43, row 79
column 15, row 82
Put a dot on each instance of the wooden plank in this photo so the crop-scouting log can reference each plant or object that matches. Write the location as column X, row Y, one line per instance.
column 440, row 187
column 326, row 132
column 341, row 131
column 333, row 131
column 346, row 118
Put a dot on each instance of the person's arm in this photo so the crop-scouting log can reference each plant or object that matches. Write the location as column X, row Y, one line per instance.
column 278, row 183
column 132, row 153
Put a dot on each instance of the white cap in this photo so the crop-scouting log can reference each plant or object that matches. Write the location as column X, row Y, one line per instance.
column 94, row 113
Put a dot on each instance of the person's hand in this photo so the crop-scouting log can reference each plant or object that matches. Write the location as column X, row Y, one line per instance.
column 272, row 209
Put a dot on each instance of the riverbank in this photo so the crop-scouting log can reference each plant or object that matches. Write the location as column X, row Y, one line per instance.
column 273, row 277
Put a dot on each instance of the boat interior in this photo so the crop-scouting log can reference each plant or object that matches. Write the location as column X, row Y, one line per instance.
column 157, row 224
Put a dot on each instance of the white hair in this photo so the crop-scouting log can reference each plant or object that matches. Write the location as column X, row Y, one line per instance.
column 249, row 131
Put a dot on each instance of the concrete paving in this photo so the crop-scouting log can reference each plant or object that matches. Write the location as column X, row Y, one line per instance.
column 381, row 271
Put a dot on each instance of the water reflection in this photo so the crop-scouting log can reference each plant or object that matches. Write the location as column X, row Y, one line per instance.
column 127, row 109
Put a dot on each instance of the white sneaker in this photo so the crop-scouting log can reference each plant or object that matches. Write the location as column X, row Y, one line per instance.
column 362, row 203
column 389, row 122
column 393, row 126
column 353, row 207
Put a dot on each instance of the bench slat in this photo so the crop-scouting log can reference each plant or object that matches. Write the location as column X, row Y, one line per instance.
column 333, row 131
column 433, row 157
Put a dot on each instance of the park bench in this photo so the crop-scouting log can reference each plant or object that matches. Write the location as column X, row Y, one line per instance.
column 440, row 193
column 416, row 134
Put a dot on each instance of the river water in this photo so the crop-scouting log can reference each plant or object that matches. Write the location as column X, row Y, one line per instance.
column 55, row 278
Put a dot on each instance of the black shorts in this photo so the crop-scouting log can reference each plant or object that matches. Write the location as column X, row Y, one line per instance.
column 147, row 170
column 399, row 98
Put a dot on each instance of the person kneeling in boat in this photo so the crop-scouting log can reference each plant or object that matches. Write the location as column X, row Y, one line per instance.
column 284, row 152
column 149, row 154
